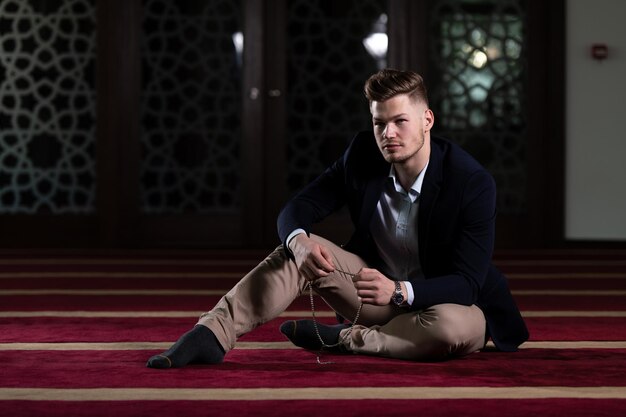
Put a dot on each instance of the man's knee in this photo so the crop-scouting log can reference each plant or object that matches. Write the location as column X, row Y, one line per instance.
column 452, row 330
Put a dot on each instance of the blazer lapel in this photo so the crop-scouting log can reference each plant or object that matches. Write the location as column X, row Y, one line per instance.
column 370, row 199
column 429, row 194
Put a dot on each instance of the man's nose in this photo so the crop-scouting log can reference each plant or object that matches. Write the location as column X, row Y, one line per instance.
column 390, row 131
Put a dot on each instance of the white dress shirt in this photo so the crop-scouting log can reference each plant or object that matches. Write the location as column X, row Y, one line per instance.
column 394, row 229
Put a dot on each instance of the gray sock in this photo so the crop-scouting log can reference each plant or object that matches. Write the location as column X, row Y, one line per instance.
column 198, row 345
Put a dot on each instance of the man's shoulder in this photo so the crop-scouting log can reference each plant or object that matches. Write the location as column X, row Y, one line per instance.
column 363, row 141
column 363, row 148
column 453, row 156
column 363, row 161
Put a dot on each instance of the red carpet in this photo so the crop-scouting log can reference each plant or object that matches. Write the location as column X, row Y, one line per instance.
column 125, row 329
column 75, row 332
column 554, row 407
column 289, row 368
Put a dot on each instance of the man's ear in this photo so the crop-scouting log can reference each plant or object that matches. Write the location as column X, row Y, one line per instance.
column 428, row 120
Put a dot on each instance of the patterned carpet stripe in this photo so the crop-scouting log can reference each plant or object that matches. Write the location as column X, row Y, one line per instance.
column 222, row 292
column 551, row 407
column 163, row 313
column 149, row 262
column 123, row 275
column 574, row 313
column 116, row 292
column 245, row 258
column 289, row 313
column 132, row 346
column 237, row 275
column 334, row 393
column 197, row 302
column 579, row 344
column 77, row 283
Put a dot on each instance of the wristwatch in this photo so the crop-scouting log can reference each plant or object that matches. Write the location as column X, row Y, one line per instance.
column 397, row 298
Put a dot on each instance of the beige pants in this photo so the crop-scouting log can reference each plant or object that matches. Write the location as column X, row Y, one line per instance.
column 265, row 292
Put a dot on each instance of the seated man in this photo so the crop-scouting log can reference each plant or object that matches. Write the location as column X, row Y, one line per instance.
column 417, row 272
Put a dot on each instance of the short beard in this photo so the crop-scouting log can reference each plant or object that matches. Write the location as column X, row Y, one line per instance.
column 397, row 159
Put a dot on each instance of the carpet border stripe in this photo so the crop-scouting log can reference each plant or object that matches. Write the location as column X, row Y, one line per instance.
column 136, row 262
column 578, row 344
column 152, row 261
column 288, row 313
column 314, row 393
column 238, row 275
column 173, row 292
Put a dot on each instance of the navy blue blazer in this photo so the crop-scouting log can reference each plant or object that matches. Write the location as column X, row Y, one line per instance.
column 456, row 228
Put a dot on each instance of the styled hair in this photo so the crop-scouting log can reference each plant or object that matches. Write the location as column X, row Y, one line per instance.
column 388, row 83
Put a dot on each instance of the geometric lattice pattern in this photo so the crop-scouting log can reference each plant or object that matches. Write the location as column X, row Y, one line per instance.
column 327, row 67
column 47, row 106
column 479, row 60
column 191, row 106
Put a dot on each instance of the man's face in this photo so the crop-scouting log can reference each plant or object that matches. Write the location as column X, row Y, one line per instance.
column 400, row 125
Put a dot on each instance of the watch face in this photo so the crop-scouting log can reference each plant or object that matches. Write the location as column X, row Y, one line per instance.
column 397, row 298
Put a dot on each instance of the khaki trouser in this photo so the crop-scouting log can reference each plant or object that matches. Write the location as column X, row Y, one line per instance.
column 265, row 292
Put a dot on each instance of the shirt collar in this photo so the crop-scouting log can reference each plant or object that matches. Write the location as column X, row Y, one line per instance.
column 416, row 188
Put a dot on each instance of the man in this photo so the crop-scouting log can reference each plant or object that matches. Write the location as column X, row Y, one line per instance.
column 417, row 272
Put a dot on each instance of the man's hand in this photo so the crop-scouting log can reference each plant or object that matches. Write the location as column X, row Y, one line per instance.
column 372, row 287
column 313, row 260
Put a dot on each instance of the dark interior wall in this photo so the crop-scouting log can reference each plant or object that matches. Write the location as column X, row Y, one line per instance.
column 146, row 123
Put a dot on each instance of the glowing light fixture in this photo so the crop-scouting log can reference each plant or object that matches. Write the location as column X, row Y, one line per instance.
column 478, row 59
column 238, row 42
column 377, row 42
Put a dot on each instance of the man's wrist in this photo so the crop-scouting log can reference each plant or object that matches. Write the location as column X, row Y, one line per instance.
column 291, row 236
column 407, row 291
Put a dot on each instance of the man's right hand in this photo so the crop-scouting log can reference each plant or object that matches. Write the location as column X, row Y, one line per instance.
column 313, row 260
